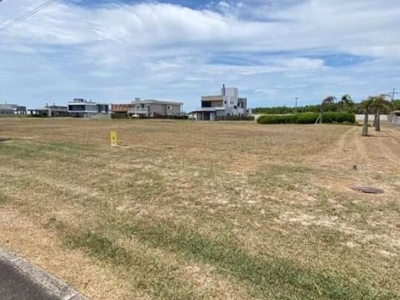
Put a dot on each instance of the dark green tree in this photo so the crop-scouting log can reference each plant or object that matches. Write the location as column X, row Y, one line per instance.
column 346, row 103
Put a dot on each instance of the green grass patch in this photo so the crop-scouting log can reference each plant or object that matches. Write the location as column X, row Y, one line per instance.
column 150, row 275
column 277, row 277
column 3, row 198
column 23, row 150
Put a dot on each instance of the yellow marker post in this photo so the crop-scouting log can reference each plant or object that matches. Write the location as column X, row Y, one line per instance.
column 114, row 138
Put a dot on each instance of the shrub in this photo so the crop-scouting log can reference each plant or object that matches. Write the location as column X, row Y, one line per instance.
column 234, row 118
column 339, row 117
column 116, row 115
column 308, row 118
column 170, row 117
column 277, row 119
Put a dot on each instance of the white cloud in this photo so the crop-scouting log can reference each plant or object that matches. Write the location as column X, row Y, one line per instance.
column 164, row 51
column 224, row 4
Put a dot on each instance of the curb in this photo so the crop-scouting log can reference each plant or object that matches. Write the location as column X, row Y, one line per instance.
column 48, row 283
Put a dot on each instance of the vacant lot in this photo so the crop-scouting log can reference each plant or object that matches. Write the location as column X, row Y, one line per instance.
column 185, row 210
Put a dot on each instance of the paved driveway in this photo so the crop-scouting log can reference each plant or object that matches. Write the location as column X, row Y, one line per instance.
column 16, row 286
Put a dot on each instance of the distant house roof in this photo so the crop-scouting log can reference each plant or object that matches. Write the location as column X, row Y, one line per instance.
column 152, row 101
column 52, row 108
column 57, row 107
column 212, row 98
column 81, row 102
column 12, row 107
column 86, row 103
column 396, row 112
column 8, row 106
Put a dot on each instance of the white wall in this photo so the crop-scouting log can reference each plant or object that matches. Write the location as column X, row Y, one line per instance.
column 359, row 118
column 232, row 92
column 371, row 118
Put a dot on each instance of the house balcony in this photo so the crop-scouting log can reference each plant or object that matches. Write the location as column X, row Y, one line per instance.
column 77, row 111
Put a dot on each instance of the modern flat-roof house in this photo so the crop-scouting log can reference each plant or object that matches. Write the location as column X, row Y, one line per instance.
column 12, row 110
column 81, row 108
column 227, row 104
column 148, row 108
column 50, row 111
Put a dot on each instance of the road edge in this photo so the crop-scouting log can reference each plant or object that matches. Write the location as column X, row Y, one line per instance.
column 49, row 283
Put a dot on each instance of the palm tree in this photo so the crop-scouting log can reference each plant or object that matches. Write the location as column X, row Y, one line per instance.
column 324, row 104
column 327, row 101
column 366, row 106
column 380, row 104
column 346, row 103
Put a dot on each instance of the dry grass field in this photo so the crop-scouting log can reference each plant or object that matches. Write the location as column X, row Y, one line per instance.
column 187, row 210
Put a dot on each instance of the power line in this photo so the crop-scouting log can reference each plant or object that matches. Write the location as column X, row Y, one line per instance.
column 25, row 16
column 26, row 9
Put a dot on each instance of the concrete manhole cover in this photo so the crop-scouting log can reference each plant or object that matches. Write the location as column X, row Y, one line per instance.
column 367, row 189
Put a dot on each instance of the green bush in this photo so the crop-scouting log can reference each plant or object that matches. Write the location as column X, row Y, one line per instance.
column 234, row 118
column 115, row 115
column 339, row 117
column 308, row 118
column 277, row 119
column 170, row 117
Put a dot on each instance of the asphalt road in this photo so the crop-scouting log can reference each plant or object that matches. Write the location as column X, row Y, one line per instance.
column 16, row 286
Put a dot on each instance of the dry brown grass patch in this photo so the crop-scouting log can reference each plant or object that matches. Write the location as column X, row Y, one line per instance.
column 274, row 196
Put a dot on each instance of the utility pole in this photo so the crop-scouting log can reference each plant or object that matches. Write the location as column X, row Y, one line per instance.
column 394, row 93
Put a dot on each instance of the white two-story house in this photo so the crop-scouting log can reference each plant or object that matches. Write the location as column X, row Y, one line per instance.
column 227, row 104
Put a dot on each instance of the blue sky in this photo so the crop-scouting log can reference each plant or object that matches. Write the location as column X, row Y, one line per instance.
column 272, row 50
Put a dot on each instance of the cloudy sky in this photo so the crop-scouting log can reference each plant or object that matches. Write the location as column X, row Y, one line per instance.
column 272, row 50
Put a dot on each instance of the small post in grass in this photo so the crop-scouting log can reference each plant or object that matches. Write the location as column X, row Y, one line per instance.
column 114, row 139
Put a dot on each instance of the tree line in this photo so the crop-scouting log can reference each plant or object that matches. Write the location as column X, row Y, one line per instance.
column 377, row 105
column 356, row 108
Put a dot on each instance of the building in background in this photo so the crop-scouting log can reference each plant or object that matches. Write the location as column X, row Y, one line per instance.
column 393, row 117
column 121, row 109
column 12, row 110
column 81, row 108
column 148, row 108
column 50, row 111
column 227, row 104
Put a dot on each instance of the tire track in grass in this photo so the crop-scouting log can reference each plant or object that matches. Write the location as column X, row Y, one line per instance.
column 345, row 144
column 343, row 141
column 360, row 148
column 385, row 145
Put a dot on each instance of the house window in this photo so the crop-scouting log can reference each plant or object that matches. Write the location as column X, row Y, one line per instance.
column 235, row 107
column 224, row 102
column 169, row 107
